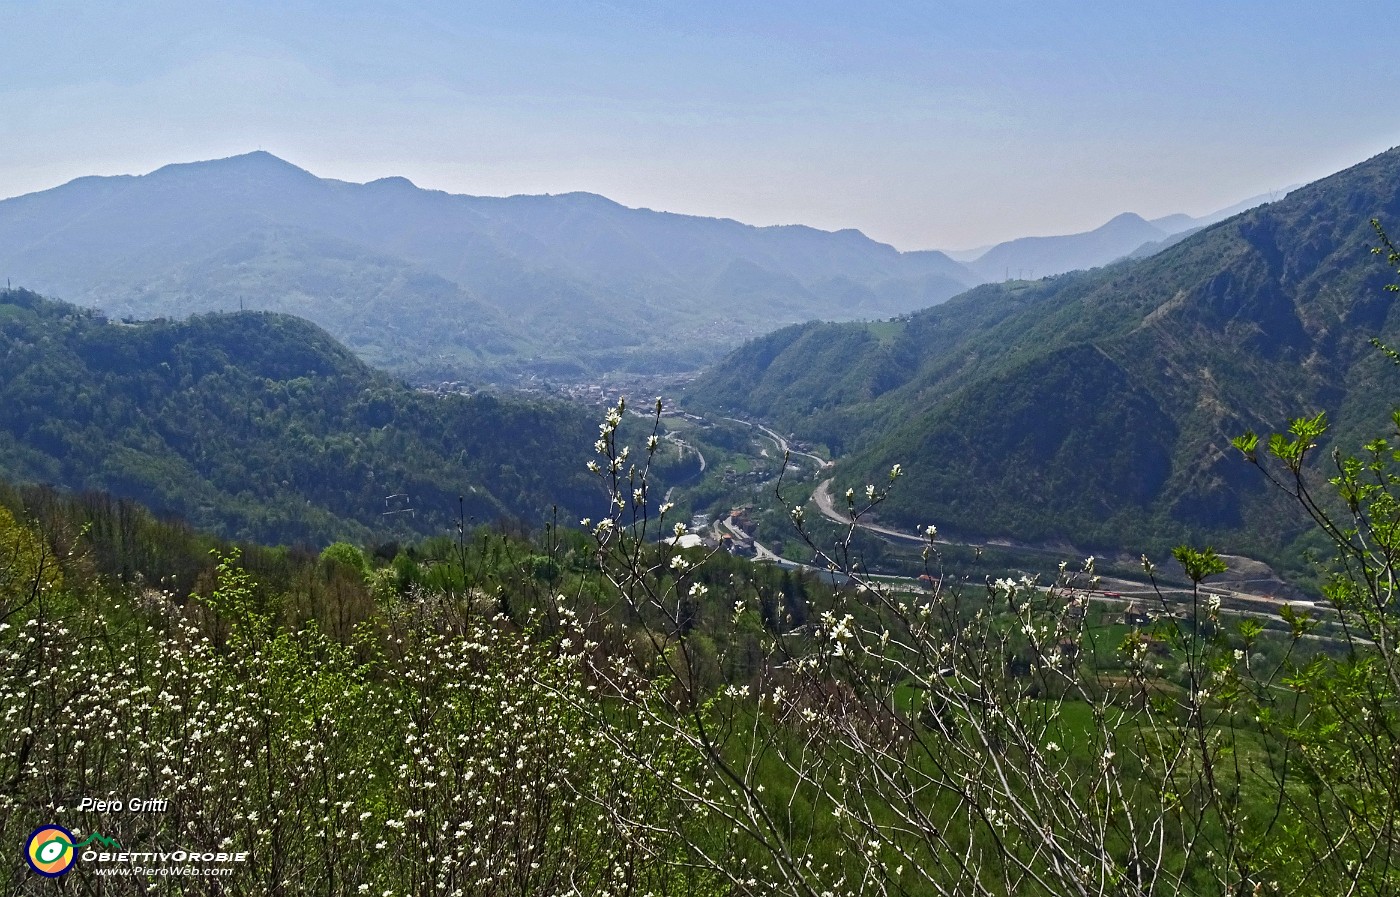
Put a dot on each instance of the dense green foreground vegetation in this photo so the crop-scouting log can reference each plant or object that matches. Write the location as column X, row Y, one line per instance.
column 417, row 721
column 593, row 712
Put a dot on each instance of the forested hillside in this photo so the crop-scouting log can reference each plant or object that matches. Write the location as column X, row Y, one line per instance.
column 260, row 425
column 1097, row 406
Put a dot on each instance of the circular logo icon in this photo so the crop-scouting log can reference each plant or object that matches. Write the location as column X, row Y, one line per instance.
column 49, row 850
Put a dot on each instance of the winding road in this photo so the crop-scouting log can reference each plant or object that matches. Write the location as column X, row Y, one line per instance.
column 683, row 446
column 783, row 447
column 1109, row 589
column 827, row 505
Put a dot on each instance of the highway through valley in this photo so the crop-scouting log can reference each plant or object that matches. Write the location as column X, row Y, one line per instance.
column 1110, row 589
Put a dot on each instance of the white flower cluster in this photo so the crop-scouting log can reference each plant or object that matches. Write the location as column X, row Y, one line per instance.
column 839, row 631
column 421, row 761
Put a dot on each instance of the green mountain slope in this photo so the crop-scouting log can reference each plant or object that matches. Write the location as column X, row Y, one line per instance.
column 261, row 426
column 1097, row 406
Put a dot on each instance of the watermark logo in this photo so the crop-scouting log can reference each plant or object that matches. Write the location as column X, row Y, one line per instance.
column 51, row 849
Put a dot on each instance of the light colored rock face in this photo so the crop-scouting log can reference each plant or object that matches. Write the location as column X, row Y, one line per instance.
column 1255, row 577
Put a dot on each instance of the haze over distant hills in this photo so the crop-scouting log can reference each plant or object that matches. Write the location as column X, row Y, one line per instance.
column 1128, row 234
column 1097, row 407
column 440, row 286
column 430, row 283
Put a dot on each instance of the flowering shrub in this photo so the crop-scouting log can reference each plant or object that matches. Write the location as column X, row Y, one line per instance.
column 437, row 752
column 1000, row 739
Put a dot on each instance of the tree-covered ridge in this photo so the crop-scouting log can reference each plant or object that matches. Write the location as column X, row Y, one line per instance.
column 260, row 425
column 1097, row 406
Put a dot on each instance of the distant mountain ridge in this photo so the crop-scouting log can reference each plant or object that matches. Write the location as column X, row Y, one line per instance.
column 1095, row 407
column 1124, row 235
column 430, row 283
column 1029, row 257
column 440, row 286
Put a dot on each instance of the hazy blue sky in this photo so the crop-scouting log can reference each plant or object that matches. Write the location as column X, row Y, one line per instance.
column 945, row 124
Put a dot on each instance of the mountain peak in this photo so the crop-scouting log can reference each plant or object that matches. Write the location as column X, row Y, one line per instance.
column 393, row 183
column 1125, row 218
column 584, row 199
column 258, row 162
